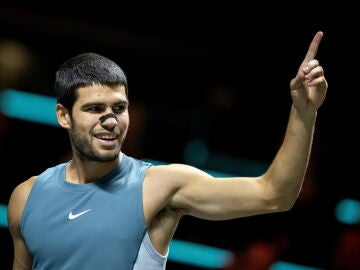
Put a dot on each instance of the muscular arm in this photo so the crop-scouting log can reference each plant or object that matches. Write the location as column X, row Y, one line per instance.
column 187, row 190
column 22, row 258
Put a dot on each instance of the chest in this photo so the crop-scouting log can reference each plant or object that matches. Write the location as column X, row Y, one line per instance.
column 62, row 222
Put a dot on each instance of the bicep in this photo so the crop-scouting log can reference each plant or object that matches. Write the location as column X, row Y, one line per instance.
column 223, row 198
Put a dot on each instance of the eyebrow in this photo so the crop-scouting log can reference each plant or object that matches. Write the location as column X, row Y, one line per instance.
column 89, row 104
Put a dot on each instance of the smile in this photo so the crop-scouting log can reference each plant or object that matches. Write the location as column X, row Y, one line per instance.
column 106, row 136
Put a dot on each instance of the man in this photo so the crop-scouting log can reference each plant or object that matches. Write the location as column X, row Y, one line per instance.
column 106, row 210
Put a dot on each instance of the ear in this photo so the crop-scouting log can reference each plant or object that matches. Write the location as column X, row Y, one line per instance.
column 63, row 116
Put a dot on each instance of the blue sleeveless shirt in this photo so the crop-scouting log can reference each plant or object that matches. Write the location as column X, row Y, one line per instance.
column 97, row 225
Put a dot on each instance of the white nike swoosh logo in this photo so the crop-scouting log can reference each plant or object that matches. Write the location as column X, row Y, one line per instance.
column 73, row 216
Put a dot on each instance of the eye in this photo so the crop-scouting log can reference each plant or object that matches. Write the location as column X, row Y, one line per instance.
column 94, row 109
column 119, row 108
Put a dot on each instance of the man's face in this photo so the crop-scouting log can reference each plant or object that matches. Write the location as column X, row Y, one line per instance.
column 91, row 138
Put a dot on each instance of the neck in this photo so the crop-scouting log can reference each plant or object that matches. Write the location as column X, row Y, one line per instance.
column 80, row 171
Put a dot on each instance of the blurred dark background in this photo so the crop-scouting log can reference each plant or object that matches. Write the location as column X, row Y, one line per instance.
column 219, row 75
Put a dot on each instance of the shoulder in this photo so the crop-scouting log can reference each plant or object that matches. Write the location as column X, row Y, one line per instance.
column 22, row 191
column 25, row 186
column 162, row 182
column 17, row 201
column 177, row 173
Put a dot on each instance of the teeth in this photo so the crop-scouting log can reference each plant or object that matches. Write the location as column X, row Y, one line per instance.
column 107, row 137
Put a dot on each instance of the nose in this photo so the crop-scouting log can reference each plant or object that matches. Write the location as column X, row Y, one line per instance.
column 109, row 120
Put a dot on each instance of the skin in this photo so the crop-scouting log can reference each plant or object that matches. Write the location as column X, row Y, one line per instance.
column 172, row 191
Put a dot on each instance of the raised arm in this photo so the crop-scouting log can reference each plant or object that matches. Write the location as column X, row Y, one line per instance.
column 308, row 90
column 196, row 193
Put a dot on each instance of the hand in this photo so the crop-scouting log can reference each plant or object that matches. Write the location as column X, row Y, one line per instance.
column 308, row 88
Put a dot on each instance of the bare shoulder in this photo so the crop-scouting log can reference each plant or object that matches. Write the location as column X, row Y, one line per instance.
column 23, row 189
column 17, row 201
column 162, row 182
column 170, row 178
column 174, row 172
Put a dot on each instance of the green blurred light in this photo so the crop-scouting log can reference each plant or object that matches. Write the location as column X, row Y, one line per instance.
column 199, row 255
column 3, row 215
column 28, row 106
column 280, row 265
column 196, row 153
column 348, row 211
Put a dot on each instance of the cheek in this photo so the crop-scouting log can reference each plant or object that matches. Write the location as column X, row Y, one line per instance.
column 124, row 125
column 124, row 121
column 83, row 124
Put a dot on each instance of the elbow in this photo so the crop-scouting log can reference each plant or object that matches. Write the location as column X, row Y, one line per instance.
column 279, row 199
column 286, row 203
column 287, row 207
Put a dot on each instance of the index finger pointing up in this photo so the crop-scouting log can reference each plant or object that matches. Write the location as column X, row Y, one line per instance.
column 314, row 45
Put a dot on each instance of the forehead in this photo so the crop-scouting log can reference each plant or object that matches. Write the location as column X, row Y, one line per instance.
column 101, row 93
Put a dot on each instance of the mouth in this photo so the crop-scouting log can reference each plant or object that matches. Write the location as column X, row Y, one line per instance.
column 107, row 140
column 106, row 136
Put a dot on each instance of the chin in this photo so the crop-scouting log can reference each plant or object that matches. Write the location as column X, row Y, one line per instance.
column 106, row 157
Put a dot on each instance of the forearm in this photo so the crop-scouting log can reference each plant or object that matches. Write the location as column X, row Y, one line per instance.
column 285, row 175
